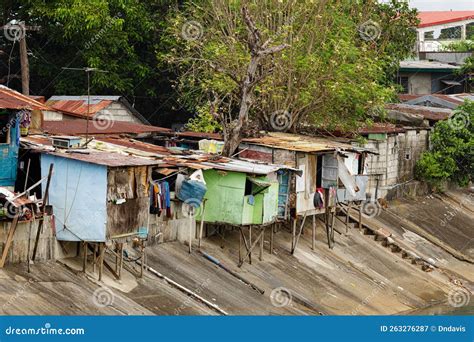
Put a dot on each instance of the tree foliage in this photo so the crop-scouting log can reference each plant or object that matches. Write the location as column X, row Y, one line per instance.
column 118, row 36
column 336, row 68
column 451, row 157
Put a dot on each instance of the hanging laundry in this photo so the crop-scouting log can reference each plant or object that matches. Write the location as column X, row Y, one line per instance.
column 166, row 197
column 160, row 198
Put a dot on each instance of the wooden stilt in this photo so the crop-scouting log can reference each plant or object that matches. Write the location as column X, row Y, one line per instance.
column 252, row 246
column 190, row 237
column 29, row 238
column 101, row 259
column 116, row 259
column 293, row 234
column 313, row 237
column 326, row 222
column 240, row 245
column 299, row 233
column 84, row 256
column 347, row 216
column 260, row 257
column 120, row 260
column 201, row 225
column 360, row 216
column 250, row 243
column 271, row 238
column 43, row 210
column 94, row 260
column 333, row 219
column 8, row 242
column 142, row 246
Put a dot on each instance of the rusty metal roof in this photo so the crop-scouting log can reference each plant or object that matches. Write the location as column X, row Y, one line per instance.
column 135, row 144
column 430, row 113
column 105, row 158
column 380, row 127
column 447, row 101
column 11, row 99
column 119, row 152
column 79, row 127
column 300, row 143
column 78, row 104
column 84, row 106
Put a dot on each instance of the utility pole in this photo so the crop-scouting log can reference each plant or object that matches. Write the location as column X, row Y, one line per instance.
column 25, row 66
column 17, row 32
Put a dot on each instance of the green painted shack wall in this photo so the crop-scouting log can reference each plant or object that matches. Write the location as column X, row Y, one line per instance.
column 226, row 201
column 247, row 214
column 224, row 197
column 270, row 203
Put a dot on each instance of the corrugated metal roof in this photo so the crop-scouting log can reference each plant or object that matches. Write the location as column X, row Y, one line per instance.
column 238, row 165
column 381, row 128
column 118, row 152
column 79, row 106
column 454, row 98
column 430, row 113
column 11, row 99
column 300, row 143
column 425, row 64
column 105, row 158
column 79, row 127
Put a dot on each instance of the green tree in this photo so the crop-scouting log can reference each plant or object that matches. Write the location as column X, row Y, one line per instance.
column 118, row 36
column 331, row 65
column 451, row 157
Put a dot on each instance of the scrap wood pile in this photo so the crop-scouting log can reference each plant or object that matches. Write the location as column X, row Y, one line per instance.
column 13, row 204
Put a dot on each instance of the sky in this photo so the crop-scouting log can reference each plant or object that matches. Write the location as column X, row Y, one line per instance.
column 442, row 5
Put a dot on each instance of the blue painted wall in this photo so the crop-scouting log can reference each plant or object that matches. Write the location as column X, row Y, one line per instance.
column 9, row 154
column 78, row 193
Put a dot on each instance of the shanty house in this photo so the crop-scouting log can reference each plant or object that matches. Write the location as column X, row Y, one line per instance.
column 392, row 169
column 13, row 108
column 108, row 108
column 241, row 193
column 321, row 162
column 97, row 195
column 428, row 77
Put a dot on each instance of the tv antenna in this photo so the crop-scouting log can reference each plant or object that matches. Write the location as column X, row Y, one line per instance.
column 88, row 71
